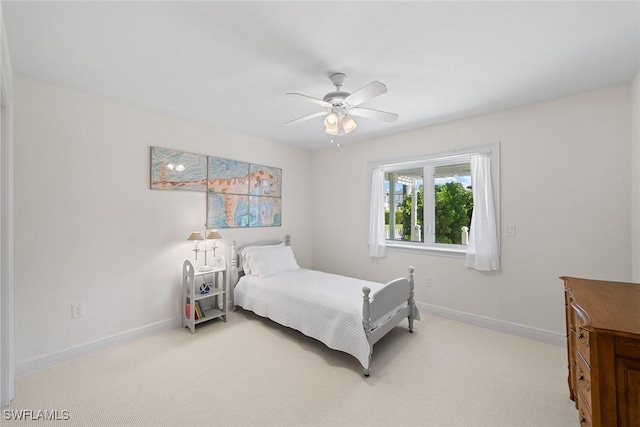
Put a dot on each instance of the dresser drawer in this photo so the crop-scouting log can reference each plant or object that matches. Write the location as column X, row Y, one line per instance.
column 584, row 415
column 572, row 317
column 583, row 381
column 628, row 348
column 582, row 343
column 584, row 412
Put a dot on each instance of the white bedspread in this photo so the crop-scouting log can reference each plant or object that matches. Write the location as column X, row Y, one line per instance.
column 324, row 306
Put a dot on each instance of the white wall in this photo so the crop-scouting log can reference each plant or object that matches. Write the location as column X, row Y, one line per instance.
column 565, row 179
column 635, row 179
column 7, row 389
column 88, row 228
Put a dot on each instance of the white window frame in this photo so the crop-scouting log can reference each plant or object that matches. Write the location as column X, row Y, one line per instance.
column 428, row 162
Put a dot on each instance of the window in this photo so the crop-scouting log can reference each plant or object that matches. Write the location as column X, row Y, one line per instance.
column 404, row 194
column 429, row 202
column 444, row 218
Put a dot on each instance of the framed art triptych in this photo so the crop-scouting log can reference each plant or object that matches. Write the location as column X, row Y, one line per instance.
column 239, row 194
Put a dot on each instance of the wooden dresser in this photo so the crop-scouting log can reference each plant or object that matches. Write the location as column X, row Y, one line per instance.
column 603, row 344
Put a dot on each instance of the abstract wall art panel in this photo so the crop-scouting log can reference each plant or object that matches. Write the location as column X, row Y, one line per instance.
column 177, row 170
column 227, row 210
column 265, row 181
column 228, row 176
column 264, row 211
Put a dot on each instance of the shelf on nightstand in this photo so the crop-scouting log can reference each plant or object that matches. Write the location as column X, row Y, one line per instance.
column 212, row 313
column 213, row 303
column 212, row 292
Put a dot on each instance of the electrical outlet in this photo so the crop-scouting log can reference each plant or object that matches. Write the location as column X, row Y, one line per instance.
column 77, row 310
column 511, row 230
column 427, row 282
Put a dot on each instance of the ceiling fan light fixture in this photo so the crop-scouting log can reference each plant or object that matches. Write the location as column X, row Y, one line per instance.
column 348, row 124
column 331, row 121
column 332, row 131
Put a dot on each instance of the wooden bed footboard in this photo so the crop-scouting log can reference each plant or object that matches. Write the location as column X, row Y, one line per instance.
column 376, row 309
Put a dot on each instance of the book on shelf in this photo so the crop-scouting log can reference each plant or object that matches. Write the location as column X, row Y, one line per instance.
column 199, row 310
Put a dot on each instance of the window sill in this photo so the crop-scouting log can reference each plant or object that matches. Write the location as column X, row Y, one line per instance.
column 429, row 250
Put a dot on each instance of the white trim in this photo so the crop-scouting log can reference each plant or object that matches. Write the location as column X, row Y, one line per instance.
column 419, row 248
column 7, row 371
column 446, row 157
column 46, row 361
column 529, row 332
column 426, row 161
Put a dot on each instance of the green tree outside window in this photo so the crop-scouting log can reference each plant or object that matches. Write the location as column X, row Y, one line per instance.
column 453, row 209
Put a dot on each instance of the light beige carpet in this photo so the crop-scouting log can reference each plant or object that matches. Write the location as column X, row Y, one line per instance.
column 250, row 371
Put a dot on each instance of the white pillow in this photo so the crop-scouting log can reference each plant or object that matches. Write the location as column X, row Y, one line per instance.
column 268, row 262
column 247, row 258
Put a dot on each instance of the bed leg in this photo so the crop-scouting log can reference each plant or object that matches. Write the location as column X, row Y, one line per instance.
column 365, row 370
column 411, row 301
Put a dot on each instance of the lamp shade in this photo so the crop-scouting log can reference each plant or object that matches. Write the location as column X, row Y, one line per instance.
column 331, row 121
column 331, row 131
column 195, row 236
column 214, row 235
column 348, row 124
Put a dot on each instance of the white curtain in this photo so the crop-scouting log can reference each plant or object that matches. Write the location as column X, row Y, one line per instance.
column 482, row 251
column 377, row 238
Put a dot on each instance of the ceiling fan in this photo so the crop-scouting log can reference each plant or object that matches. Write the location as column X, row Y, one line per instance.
column 339, row 106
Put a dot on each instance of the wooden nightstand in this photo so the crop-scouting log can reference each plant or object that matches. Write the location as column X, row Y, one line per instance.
column 204, row 295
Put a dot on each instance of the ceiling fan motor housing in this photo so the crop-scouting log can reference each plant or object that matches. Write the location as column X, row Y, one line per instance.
column 338, row 96
column 335, row 97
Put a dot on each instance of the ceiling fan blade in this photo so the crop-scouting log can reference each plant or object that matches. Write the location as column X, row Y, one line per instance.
column 305, row 118
column 374, row 114
column 373, row 89
column 325, row 104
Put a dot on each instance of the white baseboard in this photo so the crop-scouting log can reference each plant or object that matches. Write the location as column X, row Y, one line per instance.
column 42, row 362
column 542, row 335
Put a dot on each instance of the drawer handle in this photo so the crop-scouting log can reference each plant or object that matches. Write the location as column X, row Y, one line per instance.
column 583, row 381
column 583, row 338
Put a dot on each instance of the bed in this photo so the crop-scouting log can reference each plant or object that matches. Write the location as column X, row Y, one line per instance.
column 344, row 313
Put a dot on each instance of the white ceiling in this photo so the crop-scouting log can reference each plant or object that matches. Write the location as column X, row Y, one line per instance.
column 231, row 63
